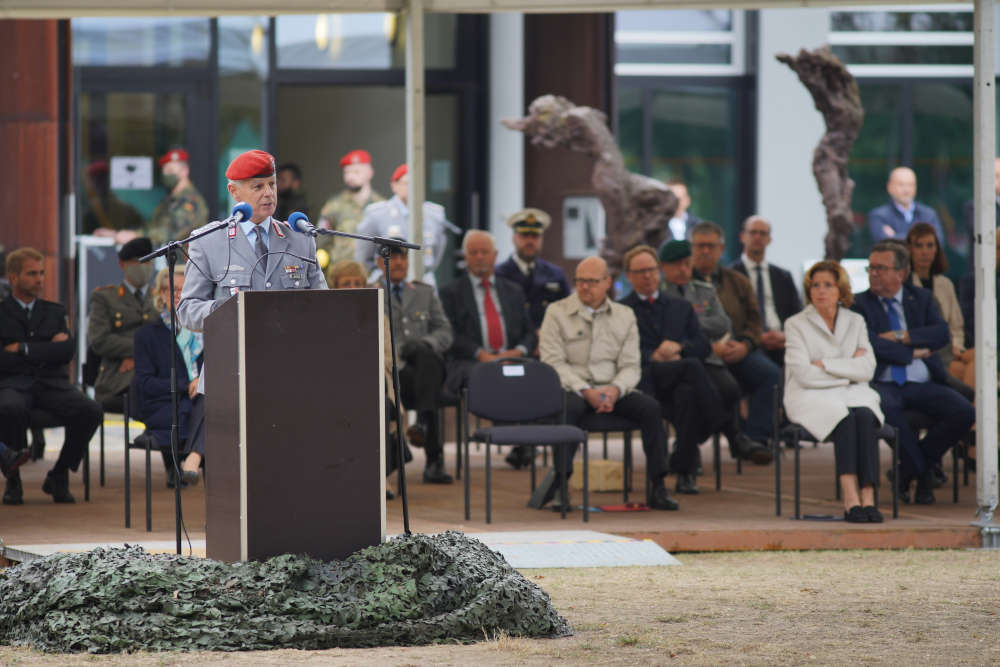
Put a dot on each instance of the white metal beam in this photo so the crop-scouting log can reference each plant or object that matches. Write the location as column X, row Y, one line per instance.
column 415, row 147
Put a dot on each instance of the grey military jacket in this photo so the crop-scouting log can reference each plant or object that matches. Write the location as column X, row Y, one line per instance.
column 711, row 315
column 392, row 218
column 114, row 315
column 222, row 265
column 421, row 317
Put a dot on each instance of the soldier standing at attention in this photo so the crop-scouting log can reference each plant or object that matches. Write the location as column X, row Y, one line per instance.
column 344, row 211
column 183, row 209
column 543, row 282
column 114, row 314
column 392, row 218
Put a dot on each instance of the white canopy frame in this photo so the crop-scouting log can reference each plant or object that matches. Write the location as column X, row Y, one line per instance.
column 984, row 120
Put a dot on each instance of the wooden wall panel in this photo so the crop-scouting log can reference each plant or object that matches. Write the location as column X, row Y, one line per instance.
column 30, row 136
column 568, row 55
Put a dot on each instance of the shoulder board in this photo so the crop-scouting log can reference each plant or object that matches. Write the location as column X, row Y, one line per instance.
column 105, row 287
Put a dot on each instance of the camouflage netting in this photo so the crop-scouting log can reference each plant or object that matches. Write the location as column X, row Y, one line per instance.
column 411, row 590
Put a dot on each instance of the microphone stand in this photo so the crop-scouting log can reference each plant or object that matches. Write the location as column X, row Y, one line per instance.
column 170, row 251
column 385, row 246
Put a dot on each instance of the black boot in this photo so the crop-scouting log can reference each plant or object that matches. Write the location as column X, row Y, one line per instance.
column 925, row 489
column 13, row 493
column 57, row 485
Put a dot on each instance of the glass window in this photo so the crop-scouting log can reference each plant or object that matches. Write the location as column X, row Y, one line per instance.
column 640, row 20
column 172, row 42
column 674, row 41
column 920, row 21
column 361, row 41
column 630, row 118
column 684, row 54
column 904, row 55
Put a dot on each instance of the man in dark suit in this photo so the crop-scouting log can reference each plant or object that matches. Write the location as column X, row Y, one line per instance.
column 777, row 298
column 489, row 319
column 905, row 327
column 423, row 334
column 672, row 347
column 543, row 282
column 893, row 220
column 36, row 350
column 679, row 226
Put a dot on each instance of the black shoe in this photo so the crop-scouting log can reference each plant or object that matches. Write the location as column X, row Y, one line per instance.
column 389, row 495
column 904, row 486
column 856, row 514
column 751, row 450
column 189, row 477
column 434, row 473
column 13, row 493
column 172, row 478
column 519, row 457
column 940, row 478
column 11, row 460
column 417, row 435
column 686, row 484
column 546, row 490
column 874, row 516
column 925, row 489
column 57, row 485
column 659, row 499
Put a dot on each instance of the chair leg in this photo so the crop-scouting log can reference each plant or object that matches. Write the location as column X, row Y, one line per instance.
column 586, row 482
column 533, row 470
column 777, row 474
column 836, row 484
column 102, row 452
column 739, row 466
column 86, row 474
column 149, row 492
column 458, row 441
column 895, row 476
column 563, row 492
column 716, row 459
column 605, row 439
column 626, row 466
column 631, row 461
column 128, row 484
column 489, row 516
column 798, row 514
column 465, row 445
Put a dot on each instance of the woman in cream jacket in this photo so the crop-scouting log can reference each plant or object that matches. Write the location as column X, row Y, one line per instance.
column 828, row 364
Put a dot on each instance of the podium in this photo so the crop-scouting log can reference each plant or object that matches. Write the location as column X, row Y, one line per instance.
column 294, row 428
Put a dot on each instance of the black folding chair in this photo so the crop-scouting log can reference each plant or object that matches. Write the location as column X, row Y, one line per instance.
column 511, row 394
column 607, row 423
column 143, row 442
column 448, row 400
column 42, row 419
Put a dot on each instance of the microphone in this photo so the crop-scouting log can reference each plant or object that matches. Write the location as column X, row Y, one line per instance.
column 242, row 211
column 300, row 222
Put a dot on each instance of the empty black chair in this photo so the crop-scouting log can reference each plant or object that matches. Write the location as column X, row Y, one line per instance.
column 144, row 442
column 449, row 400
column 605, row 423
column 511, row 394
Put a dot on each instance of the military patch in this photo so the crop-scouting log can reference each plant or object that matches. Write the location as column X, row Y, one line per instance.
column 121, row 290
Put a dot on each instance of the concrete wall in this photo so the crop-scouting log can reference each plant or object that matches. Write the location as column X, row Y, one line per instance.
column 788, row 129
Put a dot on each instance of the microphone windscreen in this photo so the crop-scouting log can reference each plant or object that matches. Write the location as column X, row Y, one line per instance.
column 242, row 211
column 295, row 220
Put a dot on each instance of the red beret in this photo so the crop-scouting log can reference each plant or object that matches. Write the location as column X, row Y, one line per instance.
column 252, row 164
column 401, row 171
column 178, row 154
column 97, row 168
column 356, row 157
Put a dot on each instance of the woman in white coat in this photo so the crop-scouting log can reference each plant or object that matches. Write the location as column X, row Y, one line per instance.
column 828, row 364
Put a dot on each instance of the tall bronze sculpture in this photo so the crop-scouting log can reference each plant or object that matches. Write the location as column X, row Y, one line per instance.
column 636, row 207
column 835, row 92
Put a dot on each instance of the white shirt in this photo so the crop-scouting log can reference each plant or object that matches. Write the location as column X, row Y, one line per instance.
column 770, row 314
column 678, row 227
column 524, row 266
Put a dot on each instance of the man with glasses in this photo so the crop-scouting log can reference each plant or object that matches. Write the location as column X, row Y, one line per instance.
column 777, row 297
column 905, row 327
column 672, row 347
column 755, row 372
column 593, row 344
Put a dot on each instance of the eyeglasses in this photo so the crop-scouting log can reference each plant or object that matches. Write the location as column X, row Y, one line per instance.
column 877, row 269
column 644, row 272
column 588, row 282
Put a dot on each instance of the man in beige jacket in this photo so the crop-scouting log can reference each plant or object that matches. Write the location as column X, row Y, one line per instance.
column 593, row 344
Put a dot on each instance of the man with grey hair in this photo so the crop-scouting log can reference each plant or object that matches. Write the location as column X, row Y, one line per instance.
column 905, row 327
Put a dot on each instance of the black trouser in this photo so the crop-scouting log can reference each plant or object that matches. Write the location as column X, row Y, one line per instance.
column 420, row 383
column 855, row 446
column 729, row 393
column 196, row 427
column 691, row 403
column 79, row 415
column 636, row 406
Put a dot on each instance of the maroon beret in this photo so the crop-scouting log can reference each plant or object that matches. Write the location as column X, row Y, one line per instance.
column 178, row 154
column 252, row 164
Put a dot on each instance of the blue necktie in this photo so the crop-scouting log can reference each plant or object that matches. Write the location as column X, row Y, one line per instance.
column 897, row 372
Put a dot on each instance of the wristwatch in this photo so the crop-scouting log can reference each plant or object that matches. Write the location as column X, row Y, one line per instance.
column 898, row 334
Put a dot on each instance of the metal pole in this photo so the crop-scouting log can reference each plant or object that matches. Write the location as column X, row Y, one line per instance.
column 415, row 148
column 984, row 104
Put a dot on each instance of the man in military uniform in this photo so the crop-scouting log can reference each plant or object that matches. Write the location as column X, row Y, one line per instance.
column 183, row 209
column 35, row 350
column 543, row 282
column 114, row 314
column 677, row 267
column 291, row 198
column 344, row 211
column 423, row 334
column 392, row 218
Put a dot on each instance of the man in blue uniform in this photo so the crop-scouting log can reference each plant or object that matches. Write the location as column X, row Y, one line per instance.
column 543, row 282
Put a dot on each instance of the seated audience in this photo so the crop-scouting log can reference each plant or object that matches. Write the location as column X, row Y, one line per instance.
column 928, row 265
column 114, row 314
column 777, row 297
column 489, row 320
column 593, row 344
column 672, row 347
column 34, row 373
column 153, row 345
column 829, row 362
column 904, row 326
column 423, row 334
column 543, row 282
column 894, row 219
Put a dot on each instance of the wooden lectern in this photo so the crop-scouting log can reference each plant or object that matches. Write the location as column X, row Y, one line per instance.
column 294, row 428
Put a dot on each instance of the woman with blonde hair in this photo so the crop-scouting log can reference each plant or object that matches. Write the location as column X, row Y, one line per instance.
column 829, row 362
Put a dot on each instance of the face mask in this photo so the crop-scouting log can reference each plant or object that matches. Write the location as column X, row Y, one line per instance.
column 353, row 188
column 139, row 274
column 170, row 181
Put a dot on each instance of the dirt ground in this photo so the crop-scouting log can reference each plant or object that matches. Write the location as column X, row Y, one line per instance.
column 864, row 607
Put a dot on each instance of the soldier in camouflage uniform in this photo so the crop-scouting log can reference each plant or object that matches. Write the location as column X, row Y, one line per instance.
column 114, row 314
column 183, row 209
column 344, row 211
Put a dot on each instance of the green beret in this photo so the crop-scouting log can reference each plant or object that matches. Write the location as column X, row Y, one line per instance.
column 675, row 250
